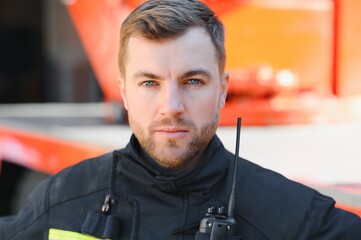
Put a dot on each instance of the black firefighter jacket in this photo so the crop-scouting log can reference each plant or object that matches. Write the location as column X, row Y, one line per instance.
column 147, row 202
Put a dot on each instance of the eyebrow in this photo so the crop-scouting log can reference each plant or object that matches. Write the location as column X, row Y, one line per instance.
column 187, row 74
column 195, row 72
column 146, row 75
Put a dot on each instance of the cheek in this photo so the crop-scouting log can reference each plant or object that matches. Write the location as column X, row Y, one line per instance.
column 138, row 117
column 139, row 106
column 204, row 107
column 136, row 107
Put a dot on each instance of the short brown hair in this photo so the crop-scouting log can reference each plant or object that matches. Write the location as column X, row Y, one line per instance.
column 166, row 19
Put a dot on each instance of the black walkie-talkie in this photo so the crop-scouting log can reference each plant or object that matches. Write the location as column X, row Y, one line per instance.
column 217, row 223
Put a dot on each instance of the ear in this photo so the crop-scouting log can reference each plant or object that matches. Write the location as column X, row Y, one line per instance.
column 121, row 84
column 224, row 89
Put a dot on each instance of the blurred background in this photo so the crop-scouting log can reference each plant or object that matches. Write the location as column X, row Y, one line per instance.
column 295, row 68
column 41, row 60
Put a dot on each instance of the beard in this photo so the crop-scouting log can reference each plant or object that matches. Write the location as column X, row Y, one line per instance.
column 174, row 153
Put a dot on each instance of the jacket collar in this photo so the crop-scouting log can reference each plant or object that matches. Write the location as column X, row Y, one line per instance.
column 139, row 166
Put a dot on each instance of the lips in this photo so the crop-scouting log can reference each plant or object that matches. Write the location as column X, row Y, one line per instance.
column 172, row 132
column 171, row 129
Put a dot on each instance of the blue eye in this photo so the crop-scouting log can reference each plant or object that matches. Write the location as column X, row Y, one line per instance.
column 194, row 81
column 148, row 83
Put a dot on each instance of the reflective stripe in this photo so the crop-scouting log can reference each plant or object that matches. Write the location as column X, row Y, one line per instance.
column 58, row 234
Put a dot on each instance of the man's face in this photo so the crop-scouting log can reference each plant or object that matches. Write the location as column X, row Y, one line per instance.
column 173, row 92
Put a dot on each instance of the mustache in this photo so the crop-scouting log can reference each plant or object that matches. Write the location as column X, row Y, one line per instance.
column 176, row 122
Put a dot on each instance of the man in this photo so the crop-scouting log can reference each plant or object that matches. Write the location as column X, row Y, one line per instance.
column 174, row 168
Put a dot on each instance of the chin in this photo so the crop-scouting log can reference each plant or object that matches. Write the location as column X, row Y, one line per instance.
column 171, row 159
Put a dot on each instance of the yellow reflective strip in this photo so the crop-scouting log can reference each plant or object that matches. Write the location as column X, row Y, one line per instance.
column 58, row 234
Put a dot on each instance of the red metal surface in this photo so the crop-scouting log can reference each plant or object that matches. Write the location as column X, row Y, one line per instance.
column 97, row 23
column 349, row 48
column 42, row 153
column 335, row 50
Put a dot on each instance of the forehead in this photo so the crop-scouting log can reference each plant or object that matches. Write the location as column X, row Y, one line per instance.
column 192, row 49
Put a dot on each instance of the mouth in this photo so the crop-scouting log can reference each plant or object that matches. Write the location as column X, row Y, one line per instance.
column 172, row 132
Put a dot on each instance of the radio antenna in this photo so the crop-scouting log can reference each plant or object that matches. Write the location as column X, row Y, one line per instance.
column 218, row 225
column 232, row 198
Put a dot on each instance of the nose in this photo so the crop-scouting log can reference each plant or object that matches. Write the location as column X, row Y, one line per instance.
column 171, row 101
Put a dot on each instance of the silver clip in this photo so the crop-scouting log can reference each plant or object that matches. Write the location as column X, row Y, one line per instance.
column 106, row 205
